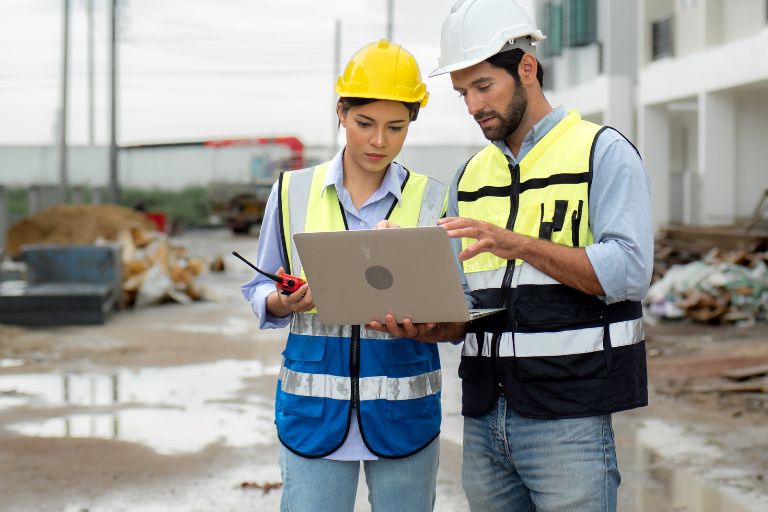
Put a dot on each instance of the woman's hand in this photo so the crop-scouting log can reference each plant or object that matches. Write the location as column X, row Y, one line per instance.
column 300, row 301
column 386, row 224
column 426, row 333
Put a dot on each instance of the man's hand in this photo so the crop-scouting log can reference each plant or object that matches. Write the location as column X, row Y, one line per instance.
column 568, row 265
column 490, row 238
column 427, row 332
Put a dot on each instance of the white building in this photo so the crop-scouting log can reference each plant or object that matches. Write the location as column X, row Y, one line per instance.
column 686, row 80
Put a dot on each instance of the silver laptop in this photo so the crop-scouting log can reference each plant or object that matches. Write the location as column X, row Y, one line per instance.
column 359, row 276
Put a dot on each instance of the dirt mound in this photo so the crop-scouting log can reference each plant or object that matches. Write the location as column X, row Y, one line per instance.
column 71, row 224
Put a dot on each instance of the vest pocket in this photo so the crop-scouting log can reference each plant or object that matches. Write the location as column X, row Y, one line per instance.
column 409, row 352
column 410, row 392
column 302, row 388
column 571, row 325
column 562, row 368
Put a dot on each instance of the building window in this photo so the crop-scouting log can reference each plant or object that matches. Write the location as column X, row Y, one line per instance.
column 662, row 38
column 553, row 26
column 582, row 22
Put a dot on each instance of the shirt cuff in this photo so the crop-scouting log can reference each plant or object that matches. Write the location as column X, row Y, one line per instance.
column 259, row 306
column 607, row 260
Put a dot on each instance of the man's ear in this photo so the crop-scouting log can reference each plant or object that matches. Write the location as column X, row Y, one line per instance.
column 527, row 69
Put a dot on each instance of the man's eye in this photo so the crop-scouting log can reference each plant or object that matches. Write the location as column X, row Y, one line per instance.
column 462, row 94
column 483, row 88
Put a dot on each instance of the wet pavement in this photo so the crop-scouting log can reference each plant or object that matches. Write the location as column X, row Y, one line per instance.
column 170, row 408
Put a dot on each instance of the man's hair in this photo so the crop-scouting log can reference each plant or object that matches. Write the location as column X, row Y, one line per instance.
column 347, row 103
column 510, row 61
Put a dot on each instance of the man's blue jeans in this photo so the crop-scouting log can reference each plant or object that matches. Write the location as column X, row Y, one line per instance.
column 518, row 464
column 394, row 485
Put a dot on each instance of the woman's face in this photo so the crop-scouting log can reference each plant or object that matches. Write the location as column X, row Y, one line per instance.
column 375, row 134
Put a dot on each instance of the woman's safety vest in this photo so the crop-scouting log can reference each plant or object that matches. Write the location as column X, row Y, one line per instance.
column 557, row 352
column 329, row 371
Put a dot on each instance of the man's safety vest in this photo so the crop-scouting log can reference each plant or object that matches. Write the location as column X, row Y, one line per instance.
column 557, row 352
column 329, row 371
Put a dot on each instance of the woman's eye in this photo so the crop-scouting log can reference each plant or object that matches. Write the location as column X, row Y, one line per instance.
column 396, row 128
column 363, row 124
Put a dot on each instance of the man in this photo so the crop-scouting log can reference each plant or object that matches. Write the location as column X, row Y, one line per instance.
column 551, row 221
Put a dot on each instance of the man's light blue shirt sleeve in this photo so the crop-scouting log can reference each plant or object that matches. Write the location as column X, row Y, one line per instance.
column 269, row 257
column 620, row 219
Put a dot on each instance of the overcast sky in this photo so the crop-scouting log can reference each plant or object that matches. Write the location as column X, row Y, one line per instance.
column 200, row 69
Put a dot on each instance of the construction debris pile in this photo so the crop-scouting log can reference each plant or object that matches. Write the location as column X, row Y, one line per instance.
column 711, row 275
column 154, row 270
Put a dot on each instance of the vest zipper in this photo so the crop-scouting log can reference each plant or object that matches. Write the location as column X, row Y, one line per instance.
column 354, row 366
column 507, row 281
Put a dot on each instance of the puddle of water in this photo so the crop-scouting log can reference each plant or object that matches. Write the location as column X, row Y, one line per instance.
column 230, row 327
column 171, row 410
column 665, row 469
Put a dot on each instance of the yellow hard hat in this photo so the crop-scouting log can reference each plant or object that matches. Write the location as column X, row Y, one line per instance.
column 383, row 71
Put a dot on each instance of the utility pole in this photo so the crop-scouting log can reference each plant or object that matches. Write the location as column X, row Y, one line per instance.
column 91, row 89
column 336, row 73
column 390, row 18
column 113, row 187
column 63, row 175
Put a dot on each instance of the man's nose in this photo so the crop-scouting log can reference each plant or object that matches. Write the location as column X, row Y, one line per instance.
column 474, row 103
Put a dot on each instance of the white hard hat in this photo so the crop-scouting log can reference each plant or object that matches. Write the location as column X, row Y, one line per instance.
column 478, row 29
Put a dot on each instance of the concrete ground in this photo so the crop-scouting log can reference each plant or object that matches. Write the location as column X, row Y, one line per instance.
column 169, row 408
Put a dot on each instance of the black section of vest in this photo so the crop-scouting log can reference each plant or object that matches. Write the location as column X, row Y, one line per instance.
column 280, row 207
column 549, row 388
column 507, row 281
column 592, row 160
column 402, row 188
column 354, row 366
column 488, row 191
column 343, row 216
column 558, row 219
column 576, row 224
column 555, row 179
column 550, row 308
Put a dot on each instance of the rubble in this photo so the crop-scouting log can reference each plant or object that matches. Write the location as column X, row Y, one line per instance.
column 711, row 275
column 154, row 270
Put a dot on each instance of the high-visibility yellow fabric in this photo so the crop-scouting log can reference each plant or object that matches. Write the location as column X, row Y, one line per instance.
column 323, row 211
column 562, row 155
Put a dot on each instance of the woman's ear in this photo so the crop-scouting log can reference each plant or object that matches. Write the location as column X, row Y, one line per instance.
column 341, row 115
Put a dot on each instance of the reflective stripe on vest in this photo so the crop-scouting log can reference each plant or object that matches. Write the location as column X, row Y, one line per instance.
column 371, row 388
column 553, row 344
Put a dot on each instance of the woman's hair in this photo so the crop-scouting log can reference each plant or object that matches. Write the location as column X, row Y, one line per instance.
column 510, row 61
column 346, row 103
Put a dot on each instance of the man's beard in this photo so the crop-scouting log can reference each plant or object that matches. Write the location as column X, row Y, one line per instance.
column 510, row 121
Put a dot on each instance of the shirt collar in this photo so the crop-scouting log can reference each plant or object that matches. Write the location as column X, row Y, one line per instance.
column 392, row 183
column 536, row 133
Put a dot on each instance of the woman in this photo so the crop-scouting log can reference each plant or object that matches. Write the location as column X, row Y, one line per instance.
column 345, row 394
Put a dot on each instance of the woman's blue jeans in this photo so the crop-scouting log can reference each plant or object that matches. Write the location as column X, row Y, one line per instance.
column 394, row 485
column 518, row 464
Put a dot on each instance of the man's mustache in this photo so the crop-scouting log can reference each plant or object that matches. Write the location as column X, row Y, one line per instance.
column 484, row 114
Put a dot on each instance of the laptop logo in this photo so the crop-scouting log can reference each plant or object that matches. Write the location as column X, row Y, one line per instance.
column 379, row 277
